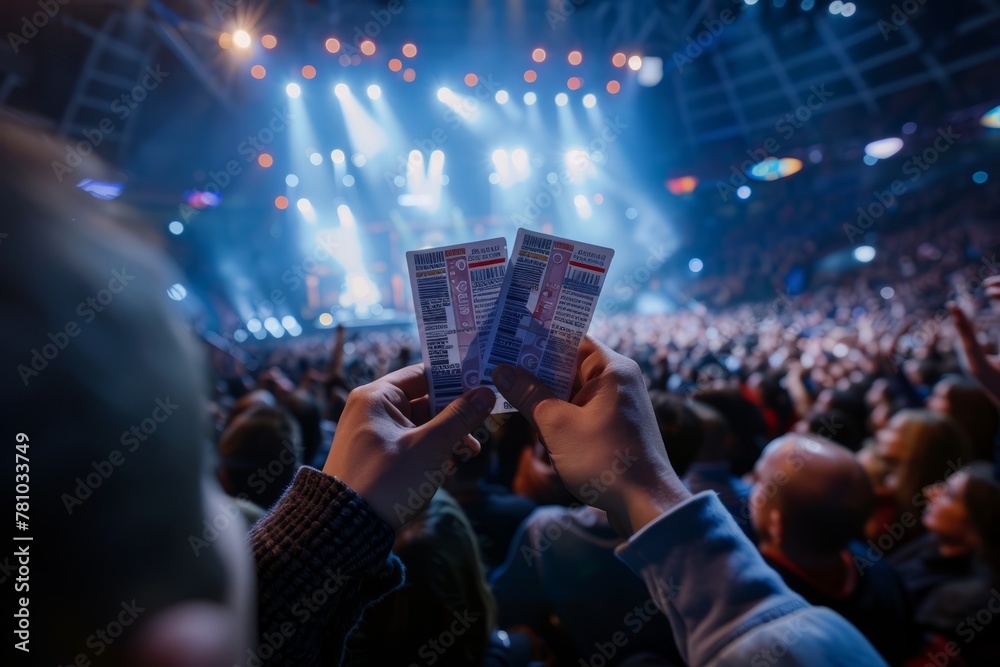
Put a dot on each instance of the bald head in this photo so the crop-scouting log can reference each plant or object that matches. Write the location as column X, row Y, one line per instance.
column 809, row 493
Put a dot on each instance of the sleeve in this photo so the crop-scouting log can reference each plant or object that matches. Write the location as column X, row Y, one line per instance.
column 322, row 557
column 725, row 605
column 516, row 584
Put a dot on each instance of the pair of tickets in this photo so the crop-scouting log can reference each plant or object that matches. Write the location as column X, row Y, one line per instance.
column 476, row 310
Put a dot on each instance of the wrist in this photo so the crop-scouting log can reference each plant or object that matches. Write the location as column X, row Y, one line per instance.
column 642, row 504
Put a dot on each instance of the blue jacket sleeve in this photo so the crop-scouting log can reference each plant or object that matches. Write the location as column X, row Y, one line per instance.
column 725, row 605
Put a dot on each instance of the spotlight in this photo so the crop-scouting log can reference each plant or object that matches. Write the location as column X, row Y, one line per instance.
column 530, row 98
column 326, row 319
column 562, row 99
column 635, row 63
column 884, row 148
column 589, row 100
column 177, row 292
column 176, row 227
column 864, row 253
column 444, row 94
column 374, row 92
column 341, row 90
column 337, row 156
column 293, row 90
column 241, row 38
column 502, row 97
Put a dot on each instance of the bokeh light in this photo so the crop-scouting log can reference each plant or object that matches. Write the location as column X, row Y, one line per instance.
column 309, row 72
column 241, row 38
column 574, row 83
column 613, row 87
column 281, row 202
column 471, row 79
column 258, row 72
column 395, row 64
column 368, row 47
column 269, row 41
column 333, row 45
column 409, row 50
column 265, row 160
column 538, row 55
column 409, row 75
column 619, row 59
column 575, row 57
column 635, row 63
column 530, row 76
column 225, row 40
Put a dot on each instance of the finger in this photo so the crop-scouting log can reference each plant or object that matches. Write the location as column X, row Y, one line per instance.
column 411, row 380
column 420, row 410
column 459, row 418
column 524, row 391
column 598, row 358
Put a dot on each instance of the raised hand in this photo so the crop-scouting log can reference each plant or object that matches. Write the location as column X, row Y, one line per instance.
column 604, row 443
column 389, row 450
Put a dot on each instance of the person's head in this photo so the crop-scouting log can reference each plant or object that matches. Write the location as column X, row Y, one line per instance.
column 716, row 433
column 963, row 512
column 445, row 584
column 259, row 453
column 680, row 429
column 308, row 416
column 810, row 497
column 917, row 448
column 971, row 408
column 747, row 427
column 109, row 389
column 835, row 425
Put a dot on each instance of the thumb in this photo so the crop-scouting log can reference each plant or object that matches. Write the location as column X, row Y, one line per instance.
column 459, row 418
column 524, row 391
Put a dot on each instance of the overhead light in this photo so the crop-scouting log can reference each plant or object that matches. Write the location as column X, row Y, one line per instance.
column 884, row 148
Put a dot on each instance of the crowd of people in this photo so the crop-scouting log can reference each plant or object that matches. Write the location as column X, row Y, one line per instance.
column 799, row 479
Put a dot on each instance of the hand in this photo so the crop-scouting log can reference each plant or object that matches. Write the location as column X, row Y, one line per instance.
column 983, row 367
column 389, row 450
column 605, row 443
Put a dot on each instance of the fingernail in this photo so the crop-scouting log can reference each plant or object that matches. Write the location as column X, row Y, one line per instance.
column 483, row 399
column 503, row 376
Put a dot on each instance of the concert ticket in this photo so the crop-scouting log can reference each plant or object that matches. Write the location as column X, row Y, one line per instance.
column 455, row 290
column 548, row 299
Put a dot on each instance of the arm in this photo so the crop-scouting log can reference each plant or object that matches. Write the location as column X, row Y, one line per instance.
column 322, row 557
column 323, row 552
column 725, row 605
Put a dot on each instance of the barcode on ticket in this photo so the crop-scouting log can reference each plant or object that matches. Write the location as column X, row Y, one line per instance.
column 548, row 299
column 455, row 294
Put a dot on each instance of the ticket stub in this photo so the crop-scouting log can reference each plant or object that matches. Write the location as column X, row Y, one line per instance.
column 548, row 299
column 455, row 291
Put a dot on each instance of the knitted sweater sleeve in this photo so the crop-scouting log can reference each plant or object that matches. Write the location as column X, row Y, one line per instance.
column 322, row 557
